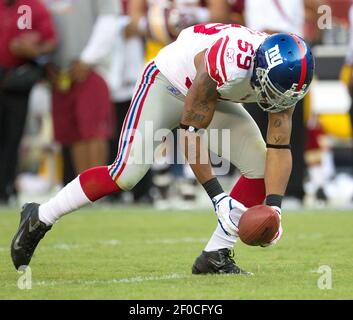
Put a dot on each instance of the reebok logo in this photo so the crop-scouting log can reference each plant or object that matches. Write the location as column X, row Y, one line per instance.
column 230, row 55
column 273, row 57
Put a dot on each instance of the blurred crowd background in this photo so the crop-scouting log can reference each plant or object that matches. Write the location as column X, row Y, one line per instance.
column 67, row 75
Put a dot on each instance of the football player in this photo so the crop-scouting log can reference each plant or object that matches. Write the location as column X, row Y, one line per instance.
column 199, row 82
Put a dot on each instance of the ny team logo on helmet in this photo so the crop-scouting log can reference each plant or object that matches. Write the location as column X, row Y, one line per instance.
column 273, row 57
column 284, row 68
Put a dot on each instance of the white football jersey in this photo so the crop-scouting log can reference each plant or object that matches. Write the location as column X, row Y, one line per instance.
column 229, row 58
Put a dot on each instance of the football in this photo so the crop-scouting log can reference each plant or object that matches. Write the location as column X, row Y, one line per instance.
column 258, row 225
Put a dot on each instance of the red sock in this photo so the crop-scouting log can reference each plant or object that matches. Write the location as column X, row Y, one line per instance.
column 249, row 192
column 97, row 183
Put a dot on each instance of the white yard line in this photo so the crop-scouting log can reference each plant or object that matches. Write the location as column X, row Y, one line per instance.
column 176, row 241
column 64, row 246
column 115, row 242
column 306, row 236
column 173, row 276
column 112, row 242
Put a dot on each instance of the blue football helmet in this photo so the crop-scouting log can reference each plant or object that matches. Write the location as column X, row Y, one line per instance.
column 283, row 70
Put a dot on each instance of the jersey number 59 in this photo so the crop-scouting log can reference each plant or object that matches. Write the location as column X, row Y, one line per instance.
column 244, row 59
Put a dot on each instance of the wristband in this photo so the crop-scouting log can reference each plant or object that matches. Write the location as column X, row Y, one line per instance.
column 274, row 200
column 278, row 146
column 213, row 188
column 188, row 128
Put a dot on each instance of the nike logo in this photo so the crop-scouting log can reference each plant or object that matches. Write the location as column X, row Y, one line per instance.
column 33, row 226
column 16, row 245
column 217, row 264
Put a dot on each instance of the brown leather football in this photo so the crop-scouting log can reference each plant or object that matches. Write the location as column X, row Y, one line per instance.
column 258, row 225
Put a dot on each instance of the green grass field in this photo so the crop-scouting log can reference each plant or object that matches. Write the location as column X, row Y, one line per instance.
column 143, row 254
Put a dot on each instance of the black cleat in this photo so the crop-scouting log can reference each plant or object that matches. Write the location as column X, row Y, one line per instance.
column 217, row 262
column 30, row 231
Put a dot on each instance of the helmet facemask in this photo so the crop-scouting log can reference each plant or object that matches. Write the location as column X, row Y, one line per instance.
column 271, row 99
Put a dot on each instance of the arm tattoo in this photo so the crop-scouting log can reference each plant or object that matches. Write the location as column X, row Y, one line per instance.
column 207, row 92
column 201, row 109
column 202, row 106
column 275, row 139
column 192, row 116
column 210, row 87
column 200, row 102
column 277, row 123
column 279, row 129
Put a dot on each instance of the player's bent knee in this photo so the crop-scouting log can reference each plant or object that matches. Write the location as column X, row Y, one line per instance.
column 256, row 169
column 254, row 174
column 129, row 179
column 126, row 185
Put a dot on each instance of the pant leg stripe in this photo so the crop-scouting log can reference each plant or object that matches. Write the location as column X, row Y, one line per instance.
column 123, row 164
column 129, row 116
column 147, row 69
column 129, row 131
column 125, row 139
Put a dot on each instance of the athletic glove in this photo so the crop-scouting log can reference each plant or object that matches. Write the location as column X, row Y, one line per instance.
column 228, row 212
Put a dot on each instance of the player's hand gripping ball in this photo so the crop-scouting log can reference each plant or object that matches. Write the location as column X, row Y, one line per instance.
column 259, row 225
